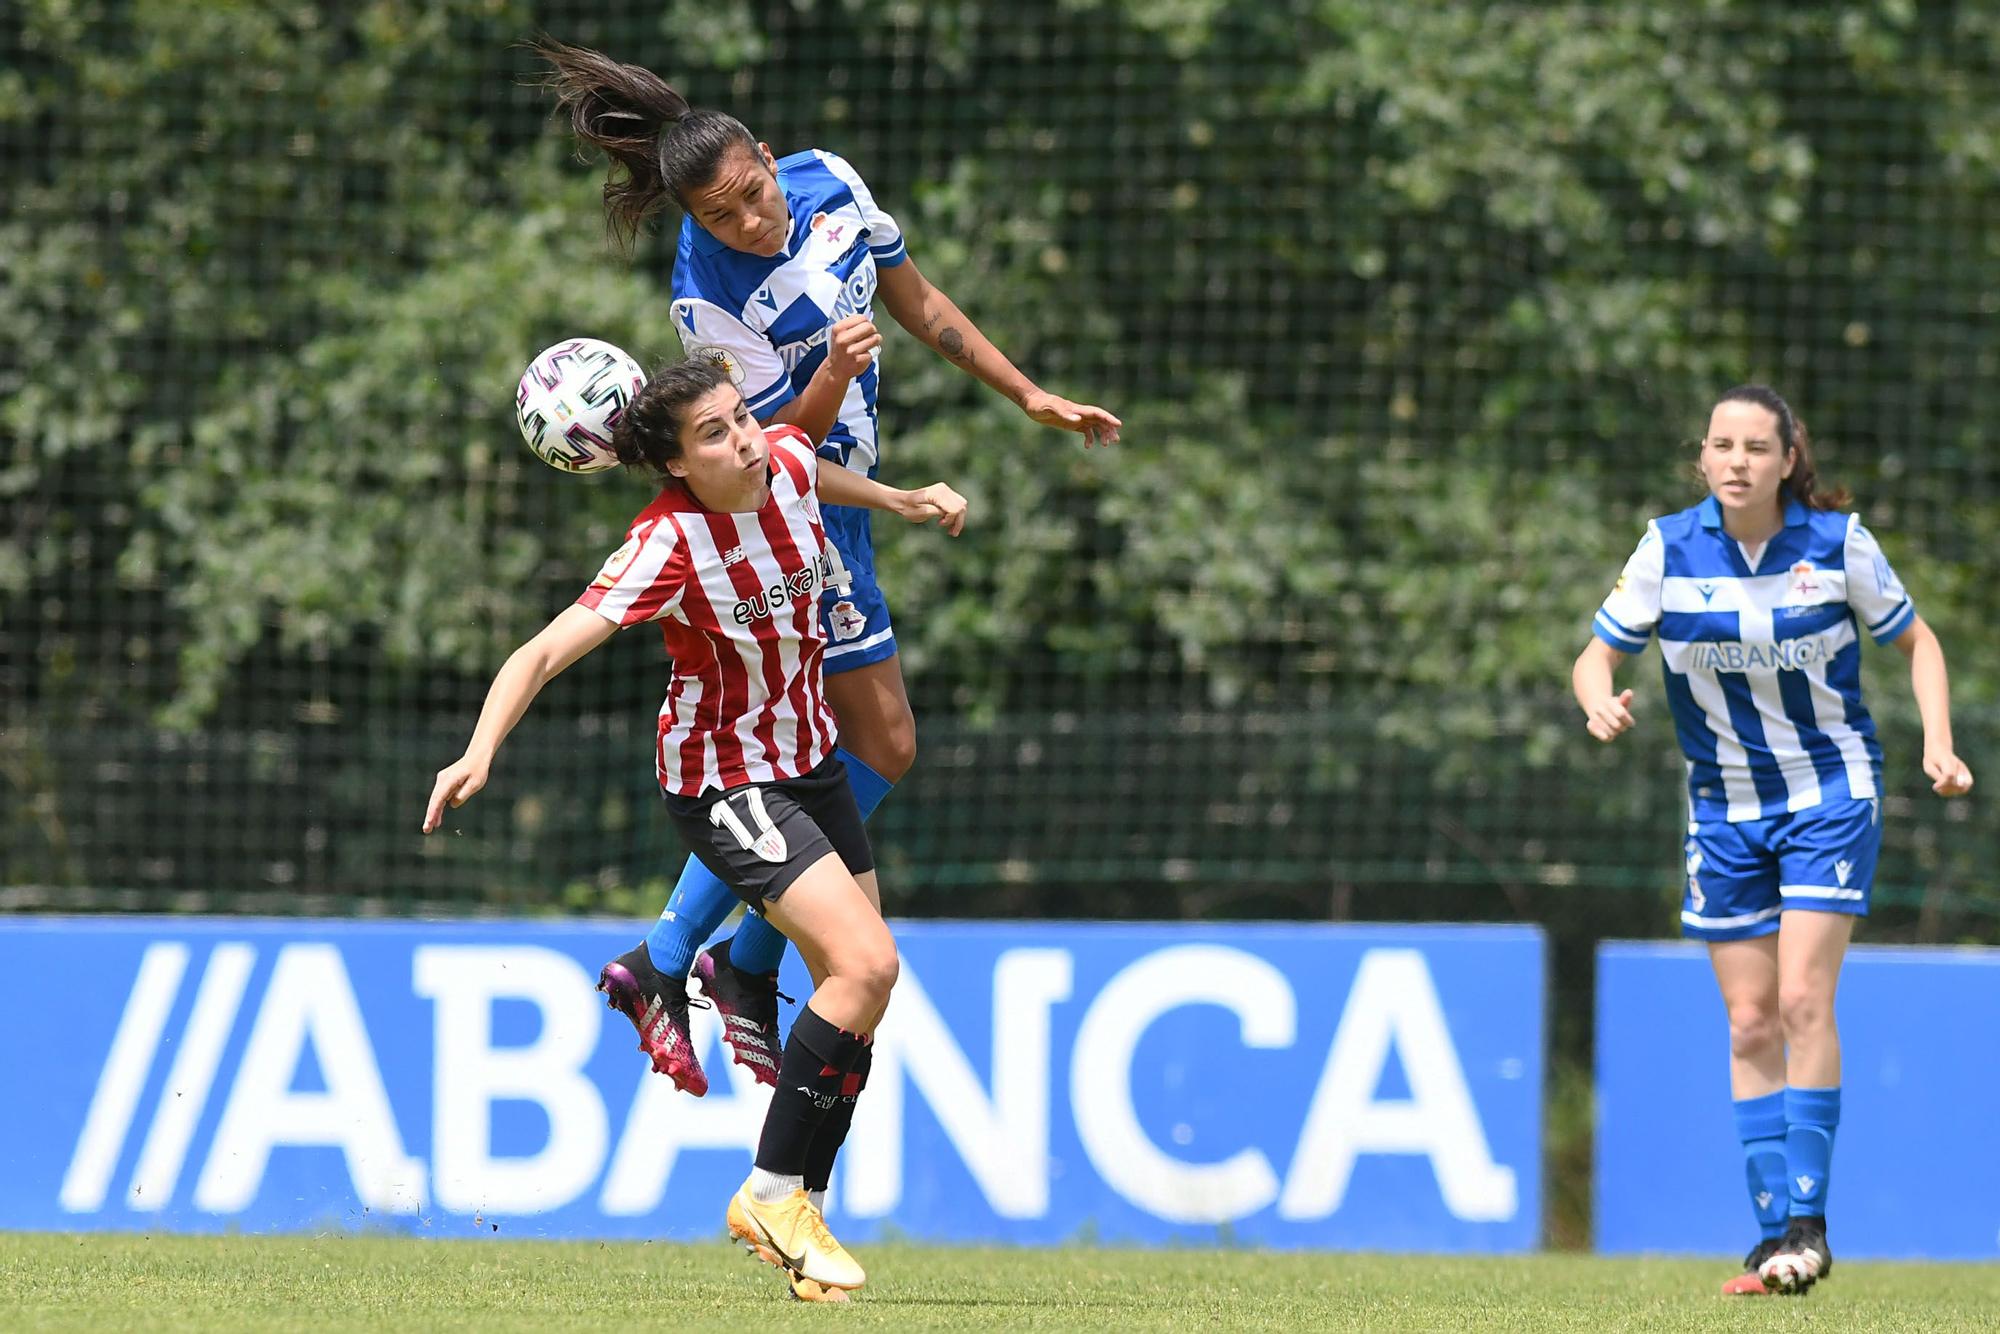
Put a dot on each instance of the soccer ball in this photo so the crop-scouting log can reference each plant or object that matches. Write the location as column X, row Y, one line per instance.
column 569, row 401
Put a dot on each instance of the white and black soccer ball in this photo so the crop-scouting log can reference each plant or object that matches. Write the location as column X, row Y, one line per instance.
column 569, row 401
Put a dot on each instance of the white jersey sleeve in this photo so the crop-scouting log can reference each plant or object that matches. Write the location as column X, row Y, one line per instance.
column 1873, row 589
column 885, row 238
column 707, row 330
column 1628, row 616
column 642, row 580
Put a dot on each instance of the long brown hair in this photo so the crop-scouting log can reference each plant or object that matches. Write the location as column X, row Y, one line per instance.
column 1803, row 484
column 660, row 147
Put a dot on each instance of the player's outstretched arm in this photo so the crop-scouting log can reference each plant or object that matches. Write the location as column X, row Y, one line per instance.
column 936, row 321
column 1606, row 715
column 574, row 632
column 839, row 486
column 1929, row 682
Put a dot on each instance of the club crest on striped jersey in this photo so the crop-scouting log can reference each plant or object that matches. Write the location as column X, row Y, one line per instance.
column 615, row 564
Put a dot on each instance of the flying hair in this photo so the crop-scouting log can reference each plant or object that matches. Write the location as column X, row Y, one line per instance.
column 660, row 147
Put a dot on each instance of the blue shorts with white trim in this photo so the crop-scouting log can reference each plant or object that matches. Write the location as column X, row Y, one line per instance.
column 1741, row 876
column 852, row 610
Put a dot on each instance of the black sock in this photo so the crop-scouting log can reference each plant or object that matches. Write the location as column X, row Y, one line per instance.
column 833, row 1131
column 810, row 1079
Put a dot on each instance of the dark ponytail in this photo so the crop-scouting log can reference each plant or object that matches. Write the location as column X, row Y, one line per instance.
column 659, row 146
column 1802, row 485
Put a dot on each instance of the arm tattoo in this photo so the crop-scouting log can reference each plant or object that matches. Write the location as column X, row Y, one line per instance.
column 952, row 343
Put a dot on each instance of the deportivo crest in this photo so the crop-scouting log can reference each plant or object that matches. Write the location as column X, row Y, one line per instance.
column 847, row 621
column 1803, row 584
column 831, row 228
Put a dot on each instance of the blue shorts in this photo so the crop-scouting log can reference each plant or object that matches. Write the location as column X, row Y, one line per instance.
column 1741, row 876
column 852, row 610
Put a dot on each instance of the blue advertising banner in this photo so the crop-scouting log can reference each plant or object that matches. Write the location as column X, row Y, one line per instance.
column 1913, row 1176
column 1294, row 1086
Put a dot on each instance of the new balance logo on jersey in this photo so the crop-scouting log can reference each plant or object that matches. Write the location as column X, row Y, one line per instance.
column 733, row 556
column 1806, row 1184
column 1843, row 870
column 798, row 585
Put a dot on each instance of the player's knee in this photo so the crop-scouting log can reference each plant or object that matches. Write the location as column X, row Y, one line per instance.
column 1805, row 1010
column 868, row 962
column 876, row 967
column 1753, row 1029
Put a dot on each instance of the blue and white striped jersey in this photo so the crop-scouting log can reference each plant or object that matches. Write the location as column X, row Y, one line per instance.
column 1762, row 657
column 767, row 318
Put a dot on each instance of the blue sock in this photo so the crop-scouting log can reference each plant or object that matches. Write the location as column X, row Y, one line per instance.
column 1760, row 1124
column 758, row 946
column 1811, row 1116
column 696, row 907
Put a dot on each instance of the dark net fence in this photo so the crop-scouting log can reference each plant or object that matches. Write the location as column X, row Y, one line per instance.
column 1409, row 311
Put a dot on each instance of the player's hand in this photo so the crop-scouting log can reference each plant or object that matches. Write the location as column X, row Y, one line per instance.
column 456, row 783
column 1948, row 774
column 1610, row 716
column 851, row 346
column 1094, row 424
column 936, row 501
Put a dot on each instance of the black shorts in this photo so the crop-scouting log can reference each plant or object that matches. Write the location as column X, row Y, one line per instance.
column 761, row 837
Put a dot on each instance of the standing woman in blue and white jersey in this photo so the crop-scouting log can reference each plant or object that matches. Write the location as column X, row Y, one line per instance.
column 779, row 264
column 1759, row 596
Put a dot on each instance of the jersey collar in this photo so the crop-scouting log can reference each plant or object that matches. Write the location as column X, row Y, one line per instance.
column 1711, row 513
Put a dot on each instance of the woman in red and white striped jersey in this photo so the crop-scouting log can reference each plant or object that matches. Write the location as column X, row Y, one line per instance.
column 730, row 558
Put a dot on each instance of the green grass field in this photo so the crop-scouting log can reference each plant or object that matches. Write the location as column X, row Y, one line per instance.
column 348, row 1283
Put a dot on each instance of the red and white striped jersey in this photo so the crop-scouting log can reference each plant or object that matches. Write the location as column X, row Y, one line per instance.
column 737, row 598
